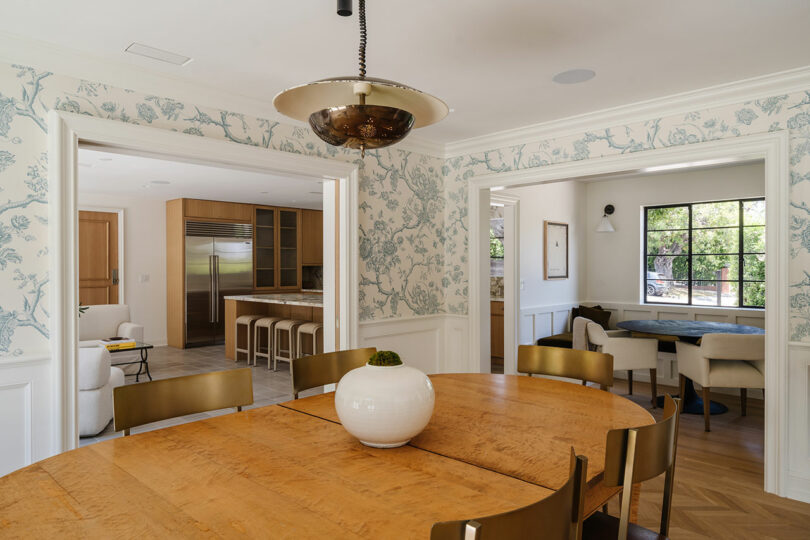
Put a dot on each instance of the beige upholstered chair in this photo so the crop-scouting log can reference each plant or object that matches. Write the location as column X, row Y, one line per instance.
column 629, row 353
column 579, row 334
column 723, row 361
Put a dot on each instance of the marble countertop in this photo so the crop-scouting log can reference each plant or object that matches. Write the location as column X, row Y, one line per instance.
column 292, row 299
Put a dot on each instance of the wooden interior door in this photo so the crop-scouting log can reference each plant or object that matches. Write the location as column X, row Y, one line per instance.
column 98, row 258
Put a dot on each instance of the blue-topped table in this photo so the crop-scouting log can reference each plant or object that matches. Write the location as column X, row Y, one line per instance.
column 690, row 331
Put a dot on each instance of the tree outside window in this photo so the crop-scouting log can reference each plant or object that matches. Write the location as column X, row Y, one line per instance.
column 709, row 253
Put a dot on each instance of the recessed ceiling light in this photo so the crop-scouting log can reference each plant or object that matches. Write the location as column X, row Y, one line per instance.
column 105, row 159
column 497, row 188
column 315, row 193
column 574, row 76
column 161, row 182
column 146, row 186
column 452, row 110
column 88, row 165
column 158, row 54
column 264, row 192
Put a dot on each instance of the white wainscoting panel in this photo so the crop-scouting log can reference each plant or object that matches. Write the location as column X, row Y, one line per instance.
column 543, row 321
column 25, row 402
column 798, row 481
column 628, row 312
column 434, row 344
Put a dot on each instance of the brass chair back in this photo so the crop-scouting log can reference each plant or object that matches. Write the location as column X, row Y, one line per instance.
column 143, row 403
column 557, row 517
column 587, row 366
column 634, row 455
column 327, row 368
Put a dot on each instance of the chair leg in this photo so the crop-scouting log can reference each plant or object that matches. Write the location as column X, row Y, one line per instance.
column 630, row 381
column 654, row 385
column 681, row 385
column 707, row 403
column 743, row 400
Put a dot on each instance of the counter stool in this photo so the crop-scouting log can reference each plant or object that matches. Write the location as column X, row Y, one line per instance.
column 309, row 329
column 288, row 327
column 248, row 322
column 264, row 326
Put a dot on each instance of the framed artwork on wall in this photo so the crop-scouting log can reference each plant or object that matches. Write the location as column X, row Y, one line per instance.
column 555, row 250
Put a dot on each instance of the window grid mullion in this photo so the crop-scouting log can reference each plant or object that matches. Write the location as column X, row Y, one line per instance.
column 689, row 259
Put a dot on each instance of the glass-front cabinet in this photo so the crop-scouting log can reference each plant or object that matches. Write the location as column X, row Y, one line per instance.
column 277, row 248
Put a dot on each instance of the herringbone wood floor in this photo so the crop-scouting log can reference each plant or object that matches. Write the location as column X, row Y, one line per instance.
column 719, row 479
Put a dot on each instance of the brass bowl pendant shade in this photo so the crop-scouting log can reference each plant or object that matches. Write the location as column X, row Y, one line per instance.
column 361, row 126
column 360, row 112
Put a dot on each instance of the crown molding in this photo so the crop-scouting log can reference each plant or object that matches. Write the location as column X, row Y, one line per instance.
column 15, row 49
column 707, row 98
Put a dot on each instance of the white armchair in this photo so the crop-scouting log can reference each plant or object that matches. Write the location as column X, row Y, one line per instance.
column 108, row 320
column 629, row 353
column 723, row 361
column 96, row 380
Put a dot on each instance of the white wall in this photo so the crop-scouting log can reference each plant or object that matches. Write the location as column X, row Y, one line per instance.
column 144, row 255
column 612, row 267
column 562, row 202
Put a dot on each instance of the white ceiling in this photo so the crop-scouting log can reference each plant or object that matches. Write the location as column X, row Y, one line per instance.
column 491, row 61
column 105, row 172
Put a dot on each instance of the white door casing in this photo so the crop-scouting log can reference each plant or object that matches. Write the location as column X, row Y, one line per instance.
column 773, row 148
column 511, row 277
column 66, row 131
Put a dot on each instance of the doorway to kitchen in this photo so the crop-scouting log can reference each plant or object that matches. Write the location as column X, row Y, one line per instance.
column 68, row 132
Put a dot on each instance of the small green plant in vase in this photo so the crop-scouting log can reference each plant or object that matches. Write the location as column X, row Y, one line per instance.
column 385, row 358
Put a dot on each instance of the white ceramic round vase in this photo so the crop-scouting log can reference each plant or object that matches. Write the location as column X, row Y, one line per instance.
column 384, row 406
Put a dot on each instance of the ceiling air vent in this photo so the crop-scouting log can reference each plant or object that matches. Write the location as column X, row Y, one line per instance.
column 158, row 54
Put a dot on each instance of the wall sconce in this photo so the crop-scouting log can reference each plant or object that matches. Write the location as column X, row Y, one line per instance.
column 605, row 225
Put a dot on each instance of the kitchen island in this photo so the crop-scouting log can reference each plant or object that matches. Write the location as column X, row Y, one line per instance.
column 302, row 306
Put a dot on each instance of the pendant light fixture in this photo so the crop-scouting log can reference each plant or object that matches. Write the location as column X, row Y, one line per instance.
column 360, row 112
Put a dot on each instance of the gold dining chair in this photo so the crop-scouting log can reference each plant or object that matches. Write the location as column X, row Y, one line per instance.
column 143, row 403
column 587, row 366
column 632, row 456
column 557, row 517
column 327, row 368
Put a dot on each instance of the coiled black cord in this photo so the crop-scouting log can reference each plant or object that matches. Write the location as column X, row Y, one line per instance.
column 363, row 39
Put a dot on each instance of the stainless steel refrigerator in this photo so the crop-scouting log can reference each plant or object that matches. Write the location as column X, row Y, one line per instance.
column 219, row 263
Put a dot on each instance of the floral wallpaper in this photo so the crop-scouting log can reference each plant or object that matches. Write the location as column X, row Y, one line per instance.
column 413, row 208
column 783, row 112
column 402, row 207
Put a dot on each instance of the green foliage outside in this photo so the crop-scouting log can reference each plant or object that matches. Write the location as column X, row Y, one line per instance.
column 713, row 247
column 384, row 358
column 495, row 246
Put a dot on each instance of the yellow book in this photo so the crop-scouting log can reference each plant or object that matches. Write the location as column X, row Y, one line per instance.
column 121, row 347
column 118, row 344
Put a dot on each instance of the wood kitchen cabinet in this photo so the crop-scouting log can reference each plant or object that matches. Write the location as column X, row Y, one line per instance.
column 496, row 329
column 277, row 248
column 312, row 237
column 216, row 210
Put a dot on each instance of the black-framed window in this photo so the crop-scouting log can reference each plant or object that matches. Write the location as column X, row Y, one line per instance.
column 705, row 254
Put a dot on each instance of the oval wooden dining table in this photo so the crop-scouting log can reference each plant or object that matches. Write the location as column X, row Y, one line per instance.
column 495, row 442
